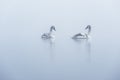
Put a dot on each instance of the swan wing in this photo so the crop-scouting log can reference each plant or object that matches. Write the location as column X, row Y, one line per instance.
column 79, row 36
column 45, row 35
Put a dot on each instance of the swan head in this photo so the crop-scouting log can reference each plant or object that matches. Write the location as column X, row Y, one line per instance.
column 88, row 27
column 52, row 28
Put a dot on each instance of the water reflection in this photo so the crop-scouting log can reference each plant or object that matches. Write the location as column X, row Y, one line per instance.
column 85, row 45
column 51, row 46
column 88, row 49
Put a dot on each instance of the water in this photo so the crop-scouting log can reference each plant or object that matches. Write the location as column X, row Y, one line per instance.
column 25, row 56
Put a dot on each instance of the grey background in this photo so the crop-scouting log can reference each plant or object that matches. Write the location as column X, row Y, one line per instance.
column 25, row 56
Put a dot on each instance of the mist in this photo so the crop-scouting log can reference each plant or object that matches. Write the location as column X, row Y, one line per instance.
column 25, row 56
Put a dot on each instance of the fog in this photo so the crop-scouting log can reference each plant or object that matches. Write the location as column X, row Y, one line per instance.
column 25, row 56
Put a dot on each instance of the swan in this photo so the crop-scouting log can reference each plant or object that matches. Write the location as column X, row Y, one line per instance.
column 83, row 35
column 49, row 35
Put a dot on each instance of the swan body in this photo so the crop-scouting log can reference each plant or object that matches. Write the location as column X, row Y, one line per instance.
column 80, row 36
column 83, row 35
column 49, row 35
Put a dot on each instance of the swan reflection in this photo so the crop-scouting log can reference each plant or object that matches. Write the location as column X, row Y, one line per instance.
column 51, row 46
column 85, row 46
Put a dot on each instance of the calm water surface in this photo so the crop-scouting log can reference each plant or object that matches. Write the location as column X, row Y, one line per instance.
column 25, row 56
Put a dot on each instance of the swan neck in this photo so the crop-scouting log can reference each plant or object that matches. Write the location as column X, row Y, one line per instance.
column 50, row 31
column 89, row 31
